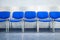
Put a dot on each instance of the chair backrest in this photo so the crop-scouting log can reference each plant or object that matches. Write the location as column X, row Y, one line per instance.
column 42, row 15
column 54, row 15
column 30, row 14
column 18, row 15
column 4, row 14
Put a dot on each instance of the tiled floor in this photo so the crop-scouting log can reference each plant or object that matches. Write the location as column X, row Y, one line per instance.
column 29, row 36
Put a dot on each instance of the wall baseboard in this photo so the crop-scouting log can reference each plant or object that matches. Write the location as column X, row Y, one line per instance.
column 29, row 30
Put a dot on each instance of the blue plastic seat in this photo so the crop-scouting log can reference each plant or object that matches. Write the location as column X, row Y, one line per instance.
column 3, row 20
column 42, row 16
column 30, row 16
column 54, row 15
column 4, row 15
column 17, row 16
column 15, row 20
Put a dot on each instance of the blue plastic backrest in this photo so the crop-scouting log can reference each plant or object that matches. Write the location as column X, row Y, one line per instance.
column 42, row 15
column 18, row 15
column 54, row 15
column 30, row 14
column 4, row 14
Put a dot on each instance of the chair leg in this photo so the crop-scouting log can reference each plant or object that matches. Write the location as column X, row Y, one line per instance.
column 23, row 29
column 37, row 27
column 23, row 26
column 49, row 26
column 53, row 29
column 7, row 28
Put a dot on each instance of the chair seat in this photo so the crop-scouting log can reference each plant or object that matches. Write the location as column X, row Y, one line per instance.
column 57, row 20
column 45, row 20
column 15, row 20
column 30, row 20
column 2, row 20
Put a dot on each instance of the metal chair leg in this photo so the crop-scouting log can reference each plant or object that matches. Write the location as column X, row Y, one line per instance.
column 23, row 26
column 37, row 27
column 7, row 27
column 53, row 29
column 49, row 26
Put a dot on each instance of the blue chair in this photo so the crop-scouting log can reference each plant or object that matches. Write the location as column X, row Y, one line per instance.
column 54, row 15
column 42, row 17
column 30, row 16
column 18, row 17
column 4, row 15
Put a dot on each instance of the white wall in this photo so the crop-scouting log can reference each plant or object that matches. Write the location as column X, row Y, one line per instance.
column 28, row 2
